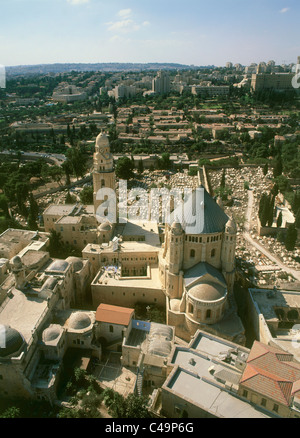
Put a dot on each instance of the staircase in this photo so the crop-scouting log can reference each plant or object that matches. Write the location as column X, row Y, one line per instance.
column 139, row 382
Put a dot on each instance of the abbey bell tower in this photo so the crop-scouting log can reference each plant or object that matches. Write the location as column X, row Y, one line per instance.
column 103, row 172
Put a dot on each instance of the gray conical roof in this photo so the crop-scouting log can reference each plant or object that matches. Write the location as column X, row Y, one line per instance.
column 210, row 216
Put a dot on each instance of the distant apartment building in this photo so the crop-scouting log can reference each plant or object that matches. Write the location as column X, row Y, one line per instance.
column 161, row 83
column 68, row 93
column 121, row 91
column 210, row 90
column 275, row 81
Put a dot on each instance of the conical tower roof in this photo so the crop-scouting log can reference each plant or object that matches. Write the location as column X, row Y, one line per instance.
column 200, row 214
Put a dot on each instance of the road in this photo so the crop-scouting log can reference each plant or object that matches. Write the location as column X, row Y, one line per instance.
column 259, row 247
column 58, row 159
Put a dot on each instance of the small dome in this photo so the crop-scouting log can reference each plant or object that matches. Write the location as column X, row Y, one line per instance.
column 51, row 333
column 207, row 292
column 79, row 321
column 11, row 341
column 76, row 262
column 102, row 140
column 176, row 228
column 106, row 226
column 231, row 227
column 58, row 266
column 17, row 262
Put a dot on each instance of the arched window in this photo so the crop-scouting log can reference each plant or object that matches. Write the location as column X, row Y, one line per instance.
column 213, row 253
column 102, row 183
column 192, row 253
column 191, row 308
column 208, row 314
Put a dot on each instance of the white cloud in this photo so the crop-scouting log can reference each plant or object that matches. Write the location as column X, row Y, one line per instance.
column 77, row 2
column 284, row 10
column 125, row 13
column 126, row 24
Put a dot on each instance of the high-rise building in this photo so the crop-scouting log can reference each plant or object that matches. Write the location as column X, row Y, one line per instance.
column 161, row 83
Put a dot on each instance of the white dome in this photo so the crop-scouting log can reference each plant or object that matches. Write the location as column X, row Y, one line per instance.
column 102, row 140
column 79, row 321
column 51, row 333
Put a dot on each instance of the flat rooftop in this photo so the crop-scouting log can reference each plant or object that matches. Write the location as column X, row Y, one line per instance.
column 148, row 230
column 60, row 209
column 267, row 300
column 111, row 278
column 22, row 312
column 210, row 397
column 213, row 346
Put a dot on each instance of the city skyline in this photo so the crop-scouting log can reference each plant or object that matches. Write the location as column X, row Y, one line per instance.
column 200, row 33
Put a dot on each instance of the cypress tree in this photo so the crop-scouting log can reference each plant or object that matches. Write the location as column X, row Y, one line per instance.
column 291, row 237
column 279, row 220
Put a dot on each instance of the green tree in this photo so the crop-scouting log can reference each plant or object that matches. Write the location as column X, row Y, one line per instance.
column 279, row 220
column 164, row 162
column 223, row 181
column 264, row 209
column 56, row 246
column 12, row 412
column 291, row 237
column 76, row 162
column 136, row 407
column 133, row 406
column 4, row 205
column 70, row 199
column 124, row 168
column 297, row 219
column 86, row 195
column 277, row 170
column 140, row 166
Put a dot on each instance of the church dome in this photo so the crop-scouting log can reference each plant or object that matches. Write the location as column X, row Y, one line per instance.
column 79, row 321
column 10, row 341
column 207, row 292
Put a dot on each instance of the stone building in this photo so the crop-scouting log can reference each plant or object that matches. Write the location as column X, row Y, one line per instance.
column 38, row 325
column 198, row 270
column 79, row 224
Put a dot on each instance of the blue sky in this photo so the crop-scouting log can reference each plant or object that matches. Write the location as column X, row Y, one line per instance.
column 198, row 32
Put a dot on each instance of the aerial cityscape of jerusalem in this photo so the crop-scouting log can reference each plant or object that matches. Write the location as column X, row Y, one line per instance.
column 149, row 211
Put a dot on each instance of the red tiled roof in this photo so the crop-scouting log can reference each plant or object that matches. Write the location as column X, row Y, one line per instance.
column 114, row 314
column 271, row 372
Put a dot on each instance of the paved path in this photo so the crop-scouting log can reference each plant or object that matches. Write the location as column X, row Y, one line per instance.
column 261, row 248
